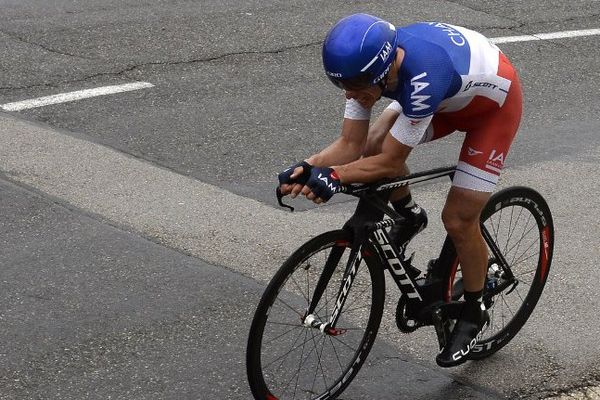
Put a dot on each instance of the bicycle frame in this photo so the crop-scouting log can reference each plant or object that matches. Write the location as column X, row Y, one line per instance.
column 372, row 243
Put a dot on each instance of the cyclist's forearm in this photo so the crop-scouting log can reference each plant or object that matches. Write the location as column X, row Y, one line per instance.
column 339, row 152
column 347, row 148
column 370, row 169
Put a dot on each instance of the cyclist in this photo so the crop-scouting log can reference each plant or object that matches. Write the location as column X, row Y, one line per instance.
column 441, row 78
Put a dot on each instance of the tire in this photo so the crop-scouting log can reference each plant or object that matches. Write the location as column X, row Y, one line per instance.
column 287, row 360
column 520, row 223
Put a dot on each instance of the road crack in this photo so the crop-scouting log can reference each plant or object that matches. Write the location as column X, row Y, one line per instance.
column 132, row 68
column 20, row 39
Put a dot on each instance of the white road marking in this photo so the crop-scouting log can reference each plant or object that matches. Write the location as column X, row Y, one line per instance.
column 72, row 96
column 546, row 36
column 104, row 90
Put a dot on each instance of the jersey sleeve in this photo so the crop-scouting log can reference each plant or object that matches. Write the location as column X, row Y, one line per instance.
column 355, row 111
column 411, row 131
column 427, row 74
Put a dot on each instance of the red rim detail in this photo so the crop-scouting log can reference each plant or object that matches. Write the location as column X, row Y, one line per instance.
column 545, row 252
column 448, row 296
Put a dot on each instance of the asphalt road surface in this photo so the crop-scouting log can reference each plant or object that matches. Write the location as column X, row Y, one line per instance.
column 139, row 229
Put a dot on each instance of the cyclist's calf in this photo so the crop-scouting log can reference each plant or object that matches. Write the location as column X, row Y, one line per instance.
column 461, row 219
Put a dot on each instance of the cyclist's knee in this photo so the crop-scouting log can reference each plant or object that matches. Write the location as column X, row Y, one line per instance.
column 461, row 214
column 459, row 226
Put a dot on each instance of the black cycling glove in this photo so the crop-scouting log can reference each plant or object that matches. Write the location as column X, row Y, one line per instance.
column 324, row 182
column 285, row 176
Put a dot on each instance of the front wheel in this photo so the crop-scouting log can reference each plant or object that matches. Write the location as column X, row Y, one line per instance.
column 287, row 358
column 520, row 237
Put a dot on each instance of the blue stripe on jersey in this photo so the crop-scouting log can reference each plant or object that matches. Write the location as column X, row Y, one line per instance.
column 427, row 76
column 455, row 44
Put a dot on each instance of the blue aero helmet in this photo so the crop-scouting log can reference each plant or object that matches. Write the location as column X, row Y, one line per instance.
column 358, row 51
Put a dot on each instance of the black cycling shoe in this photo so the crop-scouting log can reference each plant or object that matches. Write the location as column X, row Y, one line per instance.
column 463, row 338
column 416, row 221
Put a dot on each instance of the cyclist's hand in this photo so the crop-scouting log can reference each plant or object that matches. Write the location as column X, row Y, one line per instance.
column 322, row 184
column 293, row 179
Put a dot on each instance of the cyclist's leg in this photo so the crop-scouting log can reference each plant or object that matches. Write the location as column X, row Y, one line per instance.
column 481, row 159
column 461, row 220
column 486, row 145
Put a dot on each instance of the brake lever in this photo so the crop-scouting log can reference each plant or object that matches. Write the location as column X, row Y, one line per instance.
column 280, row 199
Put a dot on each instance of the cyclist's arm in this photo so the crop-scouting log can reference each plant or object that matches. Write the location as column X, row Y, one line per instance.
column 347, row 148
column 389, row 164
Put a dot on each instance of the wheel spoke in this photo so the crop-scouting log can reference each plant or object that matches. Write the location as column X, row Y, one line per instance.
column 283, row 334
column 523, row 260
column 506, row 303
column 526, row 231
column 352, row 302
column 344, row 343
column 289, row 352
column 510, row 227
column 518, row 243
column 518, row 292
column 492, row 314
column 301, row 292
column 337, row 357
column 320, row 365
column 301, row 362
column 290, row 307
column 297, row 375
column 283, row 323
column 526, row 273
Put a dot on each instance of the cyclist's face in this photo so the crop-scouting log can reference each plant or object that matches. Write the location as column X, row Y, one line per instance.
column 366, row 97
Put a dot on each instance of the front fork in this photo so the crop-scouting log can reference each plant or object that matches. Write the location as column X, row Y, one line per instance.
column 310, row 318
column 369, row 210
